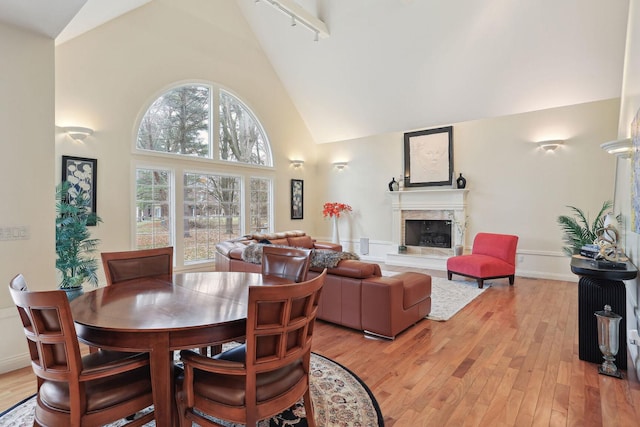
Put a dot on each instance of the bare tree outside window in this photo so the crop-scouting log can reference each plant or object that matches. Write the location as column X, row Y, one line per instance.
column 178, row 122
column 211, row 212
column 260, row 205
column 241, row 138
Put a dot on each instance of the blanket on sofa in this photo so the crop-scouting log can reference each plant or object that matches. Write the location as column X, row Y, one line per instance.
column 320, row 258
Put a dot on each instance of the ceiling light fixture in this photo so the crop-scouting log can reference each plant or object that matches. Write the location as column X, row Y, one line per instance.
column 620, row 147
column 298, row 14
column 77, row 132
column 340, row 165
column 550, row 145
column 297, row 163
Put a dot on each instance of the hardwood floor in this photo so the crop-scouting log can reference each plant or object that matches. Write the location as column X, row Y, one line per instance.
column 510, row 358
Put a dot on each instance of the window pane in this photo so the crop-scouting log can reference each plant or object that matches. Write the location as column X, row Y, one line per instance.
column 241, row 136
column 211, row 213
column 260, row 201
column 153, row 210
column 178, row 122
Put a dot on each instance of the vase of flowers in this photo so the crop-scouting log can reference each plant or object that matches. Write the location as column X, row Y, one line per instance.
column 333, row 210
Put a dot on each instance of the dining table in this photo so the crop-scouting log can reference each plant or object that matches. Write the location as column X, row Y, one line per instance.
column 162, row 314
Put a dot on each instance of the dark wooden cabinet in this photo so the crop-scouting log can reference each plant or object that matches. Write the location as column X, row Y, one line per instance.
column 598, row 287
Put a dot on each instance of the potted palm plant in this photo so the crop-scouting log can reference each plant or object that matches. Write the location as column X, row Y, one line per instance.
column 74, row 245
column 577, row 229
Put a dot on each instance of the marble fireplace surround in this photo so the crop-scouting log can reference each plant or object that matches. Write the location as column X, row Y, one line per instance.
column 431, row 204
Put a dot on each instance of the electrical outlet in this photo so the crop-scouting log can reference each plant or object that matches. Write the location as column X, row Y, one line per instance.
column 20, row 232
column 520, row 259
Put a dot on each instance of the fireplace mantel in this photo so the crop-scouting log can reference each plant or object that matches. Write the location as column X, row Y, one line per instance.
column 436, row 199
column 433, row 203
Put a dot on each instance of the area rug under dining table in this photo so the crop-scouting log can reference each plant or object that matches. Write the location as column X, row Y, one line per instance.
column 339, row 397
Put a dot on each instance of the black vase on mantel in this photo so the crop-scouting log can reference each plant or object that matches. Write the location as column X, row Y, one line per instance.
column 394, row 185
column 461, row 182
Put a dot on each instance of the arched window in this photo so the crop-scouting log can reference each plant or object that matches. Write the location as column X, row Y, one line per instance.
column 180, row 122
column 218, row 201
column 241, row 136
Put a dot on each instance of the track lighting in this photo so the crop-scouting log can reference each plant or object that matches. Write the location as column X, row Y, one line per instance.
column 300, row 15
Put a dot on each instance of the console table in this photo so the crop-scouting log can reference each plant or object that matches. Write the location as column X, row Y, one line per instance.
column 597, row 287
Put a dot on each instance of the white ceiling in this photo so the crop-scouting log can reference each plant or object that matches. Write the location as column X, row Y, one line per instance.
column 398, row 65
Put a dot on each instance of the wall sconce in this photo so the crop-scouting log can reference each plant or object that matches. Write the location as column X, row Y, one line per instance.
column 550, row 145
column 78, row 133
column 340, row 165
column 297, row 163
column 621, row 147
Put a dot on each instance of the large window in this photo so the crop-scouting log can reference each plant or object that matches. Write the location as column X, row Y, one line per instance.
column 215, row 199
column 153, row 209
column 211, row 213
column 260, row 205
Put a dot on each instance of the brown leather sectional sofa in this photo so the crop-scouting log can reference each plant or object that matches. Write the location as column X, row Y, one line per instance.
column 355, row 294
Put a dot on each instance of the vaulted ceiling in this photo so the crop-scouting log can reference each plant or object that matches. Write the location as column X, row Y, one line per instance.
column 397, row 65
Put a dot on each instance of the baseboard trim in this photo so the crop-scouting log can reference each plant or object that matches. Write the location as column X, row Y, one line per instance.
column 15, row 362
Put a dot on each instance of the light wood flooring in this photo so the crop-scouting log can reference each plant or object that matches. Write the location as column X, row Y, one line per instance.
column 510, row 358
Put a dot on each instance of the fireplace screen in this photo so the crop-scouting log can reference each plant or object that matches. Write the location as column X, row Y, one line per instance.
column 428, row 233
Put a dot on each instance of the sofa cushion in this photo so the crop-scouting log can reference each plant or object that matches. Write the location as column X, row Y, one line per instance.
column 281, row 242
column 273, row 236
column 301, row 242
column 354, row 269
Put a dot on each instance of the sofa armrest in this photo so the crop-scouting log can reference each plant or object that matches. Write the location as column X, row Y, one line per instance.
column 328, row 245
column 381, row 298
column 392, row 304
column 227, row 246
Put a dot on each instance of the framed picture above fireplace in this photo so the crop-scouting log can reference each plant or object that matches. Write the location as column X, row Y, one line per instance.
column 428, row 157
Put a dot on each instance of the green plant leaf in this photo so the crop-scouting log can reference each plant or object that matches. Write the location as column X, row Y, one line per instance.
column 577, row 231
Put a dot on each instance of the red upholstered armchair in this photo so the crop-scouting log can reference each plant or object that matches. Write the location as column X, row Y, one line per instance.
column 493, row 256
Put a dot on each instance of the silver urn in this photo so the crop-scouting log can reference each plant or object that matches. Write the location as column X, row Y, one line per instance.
column 608, row 340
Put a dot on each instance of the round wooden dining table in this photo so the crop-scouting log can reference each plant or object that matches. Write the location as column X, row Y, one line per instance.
column 165, row 313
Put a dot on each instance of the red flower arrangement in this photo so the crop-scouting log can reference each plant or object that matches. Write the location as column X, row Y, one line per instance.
column 335, row 209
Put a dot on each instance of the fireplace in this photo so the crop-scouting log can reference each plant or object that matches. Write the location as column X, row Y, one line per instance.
column 430, row 233
column 422, row 223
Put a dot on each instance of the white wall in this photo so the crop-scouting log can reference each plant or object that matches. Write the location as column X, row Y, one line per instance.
column 514, row 186
column 630, row 107
column 26, row 165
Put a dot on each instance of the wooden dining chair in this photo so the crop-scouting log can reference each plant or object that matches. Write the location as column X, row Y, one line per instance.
column 266, row 375
column 289, row 263
column 129, row 265
column 19, row 283
column 73, row 390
